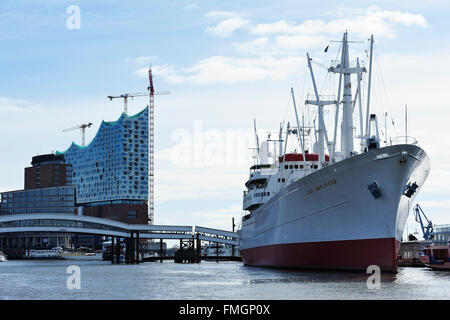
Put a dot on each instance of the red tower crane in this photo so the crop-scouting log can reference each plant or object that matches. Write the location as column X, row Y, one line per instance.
column 151, row 142
column 151, row 136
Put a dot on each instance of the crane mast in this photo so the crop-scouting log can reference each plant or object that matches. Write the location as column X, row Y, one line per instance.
column 83, row 131
column 151, row 142
column 151, row 135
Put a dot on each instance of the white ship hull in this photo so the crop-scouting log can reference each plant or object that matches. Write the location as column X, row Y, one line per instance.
column 329, row 218
column 79, row 256
column 41, row 254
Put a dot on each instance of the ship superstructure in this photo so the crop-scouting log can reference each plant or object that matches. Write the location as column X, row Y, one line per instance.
column 341, row 206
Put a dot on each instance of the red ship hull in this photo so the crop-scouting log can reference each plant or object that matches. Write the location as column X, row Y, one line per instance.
column 332, row 255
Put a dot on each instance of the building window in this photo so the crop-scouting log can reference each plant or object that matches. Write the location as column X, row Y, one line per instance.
column 132, row 214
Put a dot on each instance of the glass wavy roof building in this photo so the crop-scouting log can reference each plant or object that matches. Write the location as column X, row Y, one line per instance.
column 114, row 165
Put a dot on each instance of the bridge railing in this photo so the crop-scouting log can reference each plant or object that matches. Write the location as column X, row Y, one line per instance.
column 92, row 225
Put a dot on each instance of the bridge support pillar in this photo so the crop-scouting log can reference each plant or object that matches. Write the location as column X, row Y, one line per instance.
column 131, row 248
column 198, row 248
column 127, row 250
column 137, row 247
column 160, row 250
column 217, row 252
column 112, row 250
column 118, row 250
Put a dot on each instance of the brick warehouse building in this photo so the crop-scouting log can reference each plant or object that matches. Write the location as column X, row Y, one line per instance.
column 48, row 171
column 48, row 189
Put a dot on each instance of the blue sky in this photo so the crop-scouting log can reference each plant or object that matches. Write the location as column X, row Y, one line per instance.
column 225, row 63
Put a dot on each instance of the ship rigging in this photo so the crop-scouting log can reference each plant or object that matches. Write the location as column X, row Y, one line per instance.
column 332, row 205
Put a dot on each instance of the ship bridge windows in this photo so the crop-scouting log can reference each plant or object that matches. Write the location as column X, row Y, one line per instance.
column 294, row 166
column 262, row 194
column 256, row 183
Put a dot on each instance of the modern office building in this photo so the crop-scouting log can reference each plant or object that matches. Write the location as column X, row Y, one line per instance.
column 111, row 173
column 48, row 189
column 43, row 200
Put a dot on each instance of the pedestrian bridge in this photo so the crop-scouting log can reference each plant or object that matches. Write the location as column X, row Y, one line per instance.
column 65, row 223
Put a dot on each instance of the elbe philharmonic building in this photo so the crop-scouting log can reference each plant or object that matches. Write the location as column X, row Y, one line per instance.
column 108, row 178
column 110, row 174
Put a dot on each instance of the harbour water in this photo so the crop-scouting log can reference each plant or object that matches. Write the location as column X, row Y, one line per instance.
column 209, row 280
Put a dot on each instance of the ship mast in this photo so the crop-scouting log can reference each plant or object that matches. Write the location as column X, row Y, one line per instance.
column 336, row 118
column 256, row 143
column 347, row 114
column 302, row 142
column 361, row 128
column 368, row 88
column 320, row 103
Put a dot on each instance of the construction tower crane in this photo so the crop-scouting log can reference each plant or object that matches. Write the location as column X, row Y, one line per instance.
column 83, row 130
column 151, row 135
column 125, row 97
column 426, row 230
column 151, row 143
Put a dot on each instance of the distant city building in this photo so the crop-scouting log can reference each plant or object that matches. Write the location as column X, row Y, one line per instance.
column 43, row 200
column 48, row 170
column 48, row 188
column 111, row 173
column 441, row 233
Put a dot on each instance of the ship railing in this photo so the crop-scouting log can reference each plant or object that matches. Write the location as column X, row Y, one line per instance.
column 405, row 140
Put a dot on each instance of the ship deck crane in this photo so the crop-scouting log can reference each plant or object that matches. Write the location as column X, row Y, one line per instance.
column 426, row 230
column 83, row 130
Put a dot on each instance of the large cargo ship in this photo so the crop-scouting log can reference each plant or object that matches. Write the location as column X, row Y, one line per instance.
column 343, row 210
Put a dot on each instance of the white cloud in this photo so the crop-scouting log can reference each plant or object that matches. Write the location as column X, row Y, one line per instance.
column 382, row 23
column 145, row 60
column 435, row 204
column 219, row 69
column 191, row 6
column 272, row 28
column 220, row 14
column 300, row 41
column 17, row 105
column 175, row 180
column 226, row 28
column 259, row 46
column 221, row 218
